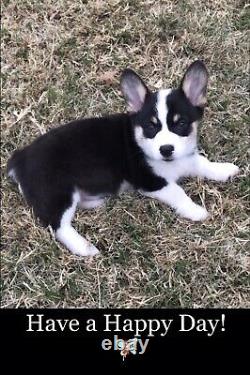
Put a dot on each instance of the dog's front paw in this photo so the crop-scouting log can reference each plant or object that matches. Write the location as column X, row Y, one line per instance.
column 194, row 212
column 87, row 250
column 225, row 171
column 92, row 250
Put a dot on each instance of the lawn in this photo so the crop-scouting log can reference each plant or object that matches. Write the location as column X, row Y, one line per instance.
column 61, row 60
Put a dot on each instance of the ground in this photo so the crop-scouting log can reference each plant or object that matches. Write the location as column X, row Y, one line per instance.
column 61, row 60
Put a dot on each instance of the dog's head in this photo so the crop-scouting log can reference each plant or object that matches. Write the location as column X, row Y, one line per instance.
column 165, row 122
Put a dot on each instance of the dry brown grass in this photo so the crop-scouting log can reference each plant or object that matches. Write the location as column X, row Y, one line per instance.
column 62, row 60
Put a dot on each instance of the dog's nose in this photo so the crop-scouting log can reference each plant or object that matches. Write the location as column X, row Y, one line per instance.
column 166, row 150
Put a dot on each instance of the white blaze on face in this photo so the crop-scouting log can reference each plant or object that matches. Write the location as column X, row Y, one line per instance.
column 151, row 146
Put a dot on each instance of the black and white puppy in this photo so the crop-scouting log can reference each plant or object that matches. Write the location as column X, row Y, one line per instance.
column 148, row 149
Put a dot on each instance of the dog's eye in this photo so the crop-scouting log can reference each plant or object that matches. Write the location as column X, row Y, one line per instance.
column 150, row 130
column 151, row 127
column 181, row 127
column 182, row 122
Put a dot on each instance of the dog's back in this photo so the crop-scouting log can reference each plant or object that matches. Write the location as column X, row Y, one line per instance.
column 85, row 154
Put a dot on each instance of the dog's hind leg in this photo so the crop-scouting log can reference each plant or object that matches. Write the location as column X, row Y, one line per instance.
column 69, row 237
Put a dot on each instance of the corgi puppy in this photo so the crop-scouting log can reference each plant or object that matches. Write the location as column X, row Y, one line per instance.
column 147, row 149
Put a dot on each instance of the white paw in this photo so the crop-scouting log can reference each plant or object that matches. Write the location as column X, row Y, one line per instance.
column 87, row 250
column 92, row 250
column 194, row 212
column 224, row 171
column 78, row 245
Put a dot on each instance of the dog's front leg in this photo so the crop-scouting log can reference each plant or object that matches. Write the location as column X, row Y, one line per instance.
column 214, row 171
column 174, row 196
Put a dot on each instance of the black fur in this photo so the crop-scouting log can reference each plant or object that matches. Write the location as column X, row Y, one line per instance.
column 95, row 155
column 144, row 117
column 178, row 104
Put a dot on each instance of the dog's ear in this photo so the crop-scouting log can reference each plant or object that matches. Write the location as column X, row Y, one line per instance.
column 194, row 83
column 133, row 89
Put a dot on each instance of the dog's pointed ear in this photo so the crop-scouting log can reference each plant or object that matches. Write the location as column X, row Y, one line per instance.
column 194, row 83
column 133, row 89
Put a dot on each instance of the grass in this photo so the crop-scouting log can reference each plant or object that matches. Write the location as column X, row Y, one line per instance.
column 61, row 60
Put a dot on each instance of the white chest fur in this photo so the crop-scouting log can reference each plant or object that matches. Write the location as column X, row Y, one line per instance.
column 173, row 170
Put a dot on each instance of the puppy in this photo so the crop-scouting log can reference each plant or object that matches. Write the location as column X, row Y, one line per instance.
column 148, row 149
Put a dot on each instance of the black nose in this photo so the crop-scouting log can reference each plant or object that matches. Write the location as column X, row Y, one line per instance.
column 166, row 150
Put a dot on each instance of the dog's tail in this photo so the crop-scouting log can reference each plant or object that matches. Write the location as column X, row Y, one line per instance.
column 13, row 164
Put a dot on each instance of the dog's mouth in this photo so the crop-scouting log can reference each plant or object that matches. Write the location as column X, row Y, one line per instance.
column 172, row 158
column 169, row 158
